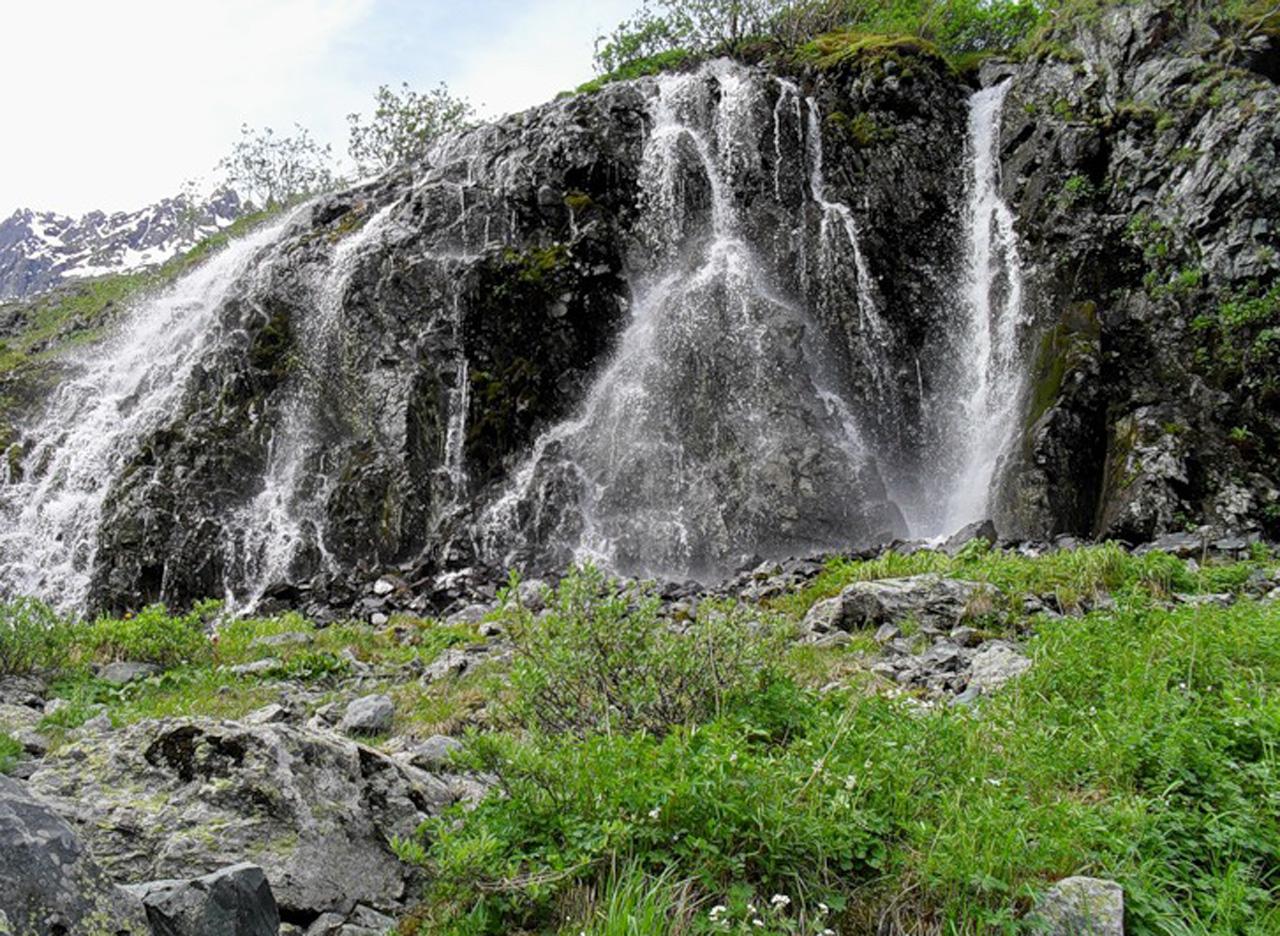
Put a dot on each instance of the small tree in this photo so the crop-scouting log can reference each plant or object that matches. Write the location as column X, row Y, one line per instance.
column 270, row 170
column 403, row 126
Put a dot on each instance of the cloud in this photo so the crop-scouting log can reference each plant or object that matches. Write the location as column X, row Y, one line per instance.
column 115, row 104
column 111, row 105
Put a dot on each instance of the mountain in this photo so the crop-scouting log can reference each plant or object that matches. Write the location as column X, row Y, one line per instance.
column 39, row 250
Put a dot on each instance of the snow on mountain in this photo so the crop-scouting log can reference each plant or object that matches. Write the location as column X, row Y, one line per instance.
column 39, row 250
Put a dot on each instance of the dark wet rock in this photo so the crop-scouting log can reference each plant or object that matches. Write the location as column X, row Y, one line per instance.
column 50, row 884
column 234, row 901
column 981, row 529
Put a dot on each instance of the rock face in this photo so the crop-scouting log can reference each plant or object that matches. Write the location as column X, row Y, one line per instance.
column 707, row 315
column 49, row 883
column 235, row 901
column 182, row 799
column 1145, row 181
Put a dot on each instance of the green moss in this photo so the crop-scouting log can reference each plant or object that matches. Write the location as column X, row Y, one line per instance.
column 671, row 60
column 1062, row 348
column 852, row 48
column 578, row 202
column 861, row 129
column 537, row 264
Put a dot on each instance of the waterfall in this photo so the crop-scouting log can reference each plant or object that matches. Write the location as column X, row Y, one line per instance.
column 710, row 434
column 119, row 394
column 993, row 377
column 285, row 521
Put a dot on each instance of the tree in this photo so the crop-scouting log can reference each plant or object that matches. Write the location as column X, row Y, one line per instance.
column 270, row 170
column 403, row 126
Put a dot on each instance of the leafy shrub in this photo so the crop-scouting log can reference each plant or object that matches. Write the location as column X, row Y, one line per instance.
column 403, row 126
column 1141, row 747
column 601, row 658
column 31, row 637
column 151, row 636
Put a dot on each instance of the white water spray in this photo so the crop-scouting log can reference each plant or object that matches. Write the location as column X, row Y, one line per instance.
column 123, row 392
column 993, row 377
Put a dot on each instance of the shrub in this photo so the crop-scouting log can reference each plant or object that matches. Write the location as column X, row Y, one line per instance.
column 31, row 637
column 151, row 636
column 600, row 658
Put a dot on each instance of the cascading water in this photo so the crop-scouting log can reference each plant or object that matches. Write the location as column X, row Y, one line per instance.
column 285, row 521
column 993, row 376
column 123, row 392
column 710, row 434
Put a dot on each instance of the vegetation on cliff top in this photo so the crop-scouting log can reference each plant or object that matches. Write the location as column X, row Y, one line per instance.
column 647, row 776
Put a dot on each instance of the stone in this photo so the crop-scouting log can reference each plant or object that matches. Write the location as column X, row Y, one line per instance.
column 824, row 617
column 995, row 663
column 368, row 715
column 233, row 901
column 1082, row 906
column 981, row 529
column 378, row 619
column 383, row 587
column 433, row 755
column 179, row 799
column 49, row 883
column 887, row 632
column 258, row 667
column 966, row 637
column 16, row 718
column 930, row 600
column 272, row 714
column 119, row 674
column 287, row 639
column 24, row 689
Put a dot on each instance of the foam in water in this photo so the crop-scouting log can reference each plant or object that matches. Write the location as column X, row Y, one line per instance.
column 993, row 377
column 120, row 394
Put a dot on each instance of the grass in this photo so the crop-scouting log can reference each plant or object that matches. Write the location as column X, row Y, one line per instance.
column 10, row 753
column 801, row 791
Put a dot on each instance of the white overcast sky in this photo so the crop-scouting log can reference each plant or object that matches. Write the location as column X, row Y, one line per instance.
column 113, row 104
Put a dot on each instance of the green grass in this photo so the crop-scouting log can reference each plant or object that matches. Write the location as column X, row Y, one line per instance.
column 1141, row 747
column 791, row 785
column 10, row 753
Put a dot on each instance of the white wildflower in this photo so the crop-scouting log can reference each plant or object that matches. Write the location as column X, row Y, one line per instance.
column 780, row 900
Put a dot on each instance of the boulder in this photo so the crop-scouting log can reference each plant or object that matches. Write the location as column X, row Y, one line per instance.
column 1082, row 906
column 235, row 901
column 368, row 715
column 982, row 529
column 49, row 883
column 930, row 600
column 119, row 674
column 18, row 718
column 435, row 753
column 995, row 663
column 178, row 799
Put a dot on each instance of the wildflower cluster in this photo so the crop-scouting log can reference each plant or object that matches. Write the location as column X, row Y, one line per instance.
column 777, row 918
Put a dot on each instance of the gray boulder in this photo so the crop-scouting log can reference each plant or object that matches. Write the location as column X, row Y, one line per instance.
column 434, row 753
column 982, row 529
column 49, row 883
column 368, row 715
column 119, row 674
column 179, row 799
column 930, row 600
column 995, row 664
column 235, row 901
column 1082, row 906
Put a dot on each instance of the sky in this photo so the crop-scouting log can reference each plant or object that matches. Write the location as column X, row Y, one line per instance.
column 113, row 104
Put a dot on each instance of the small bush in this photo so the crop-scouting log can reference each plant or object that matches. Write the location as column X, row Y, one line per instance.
column 151, row 636
column 32, row 637
column 601, row 658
